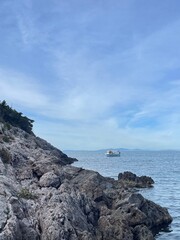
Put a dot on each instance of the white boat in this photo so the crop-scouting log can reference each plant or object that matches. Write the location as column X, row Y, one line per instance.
column 110, row 153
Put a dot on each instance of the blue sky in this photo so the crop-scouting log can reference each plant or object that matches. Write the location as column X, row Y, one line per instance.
column 94, row 74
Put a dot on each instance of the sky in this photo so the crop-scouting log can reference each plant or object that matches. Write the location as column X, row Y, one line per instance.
column 94, row 74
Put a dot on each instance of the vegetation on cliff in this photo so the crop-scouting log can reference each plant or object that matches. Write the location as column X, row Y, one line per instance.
column 11, row 116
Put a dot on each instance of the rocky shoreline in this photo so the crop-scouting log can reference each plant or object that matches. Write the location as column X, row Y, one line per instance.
column 43, row 197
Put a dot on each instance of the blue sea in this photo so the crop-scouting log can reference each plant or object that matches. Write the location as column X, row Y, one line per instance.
column 162, row 166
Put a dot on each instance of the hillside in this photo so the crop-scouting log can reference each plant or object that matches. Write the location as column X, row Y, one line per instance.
column 43, row 197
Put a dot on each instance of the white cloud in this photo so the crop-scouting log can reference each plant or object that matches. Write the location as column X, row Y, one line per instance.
column 18, row 88
column 106, row 134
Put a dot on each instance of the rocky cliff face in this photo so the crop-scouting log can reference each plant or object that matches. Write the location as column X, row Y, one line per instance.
column 43, row 197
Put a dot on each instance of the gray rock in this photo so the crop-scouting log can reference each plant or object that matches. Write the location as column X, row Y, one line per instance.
column 130, row 179
column 3, row 212
column 49, row 179
column 141, row 232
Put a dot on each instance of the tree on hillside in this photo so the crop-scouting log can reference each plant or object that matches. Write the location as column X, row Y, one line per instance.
column 9, row 115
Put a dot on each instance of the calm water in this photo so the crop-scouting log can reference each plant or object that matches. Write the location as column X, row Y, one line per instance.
column 162, row 166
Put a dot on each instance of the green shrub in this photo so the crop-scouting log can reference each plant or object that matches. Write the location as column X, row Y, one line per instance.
column 26, row 135
column 6, row 139
column 12, row 117
column 5, row 156
column 7, row 126
column 25, row 193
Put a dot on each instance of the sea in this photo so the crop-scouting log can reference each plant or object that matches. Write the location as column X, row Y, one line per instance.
column 162, row 166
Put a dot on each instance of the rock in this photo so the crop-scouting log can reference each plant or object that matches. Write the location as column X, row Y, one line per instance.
column 3, row 212
column 157, row 216
column 136, row 199
column 49, row 179
column 132, row 180
column 59, row 157
column 11, row 230
column 17, row 208
column 142, row 233
column 67, row 215
column 27, row 230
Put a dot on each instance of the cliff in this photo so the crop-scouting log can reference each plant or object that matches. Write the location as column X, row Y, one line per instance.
column 43, row 197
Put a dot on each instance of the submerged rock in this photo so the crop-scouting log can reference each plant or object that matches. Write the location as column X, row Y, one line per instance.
column 43, row 197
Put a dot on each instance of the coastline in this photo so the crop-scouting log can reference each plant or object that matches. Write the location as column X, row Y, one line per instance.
column 45, row 197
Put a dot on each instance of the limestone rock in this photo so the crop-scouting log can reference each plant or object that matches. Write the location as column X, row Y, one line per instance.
column 49, row 179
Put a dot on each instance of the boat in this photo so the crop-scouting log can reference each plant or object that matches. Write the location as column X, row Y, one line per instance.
column 111, row 153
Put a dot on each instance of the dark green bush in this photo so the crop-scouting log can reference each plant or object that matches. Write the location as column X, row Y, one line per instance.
column 26, row 135
column 5, row 156
column 7, row 126
column 6, row 139
column 11, row 116
column 25, row 193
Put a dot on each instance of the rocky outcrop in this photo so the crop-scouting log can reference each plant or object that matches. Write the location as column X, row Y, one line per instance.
column 43, row 197
column 132, row 180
